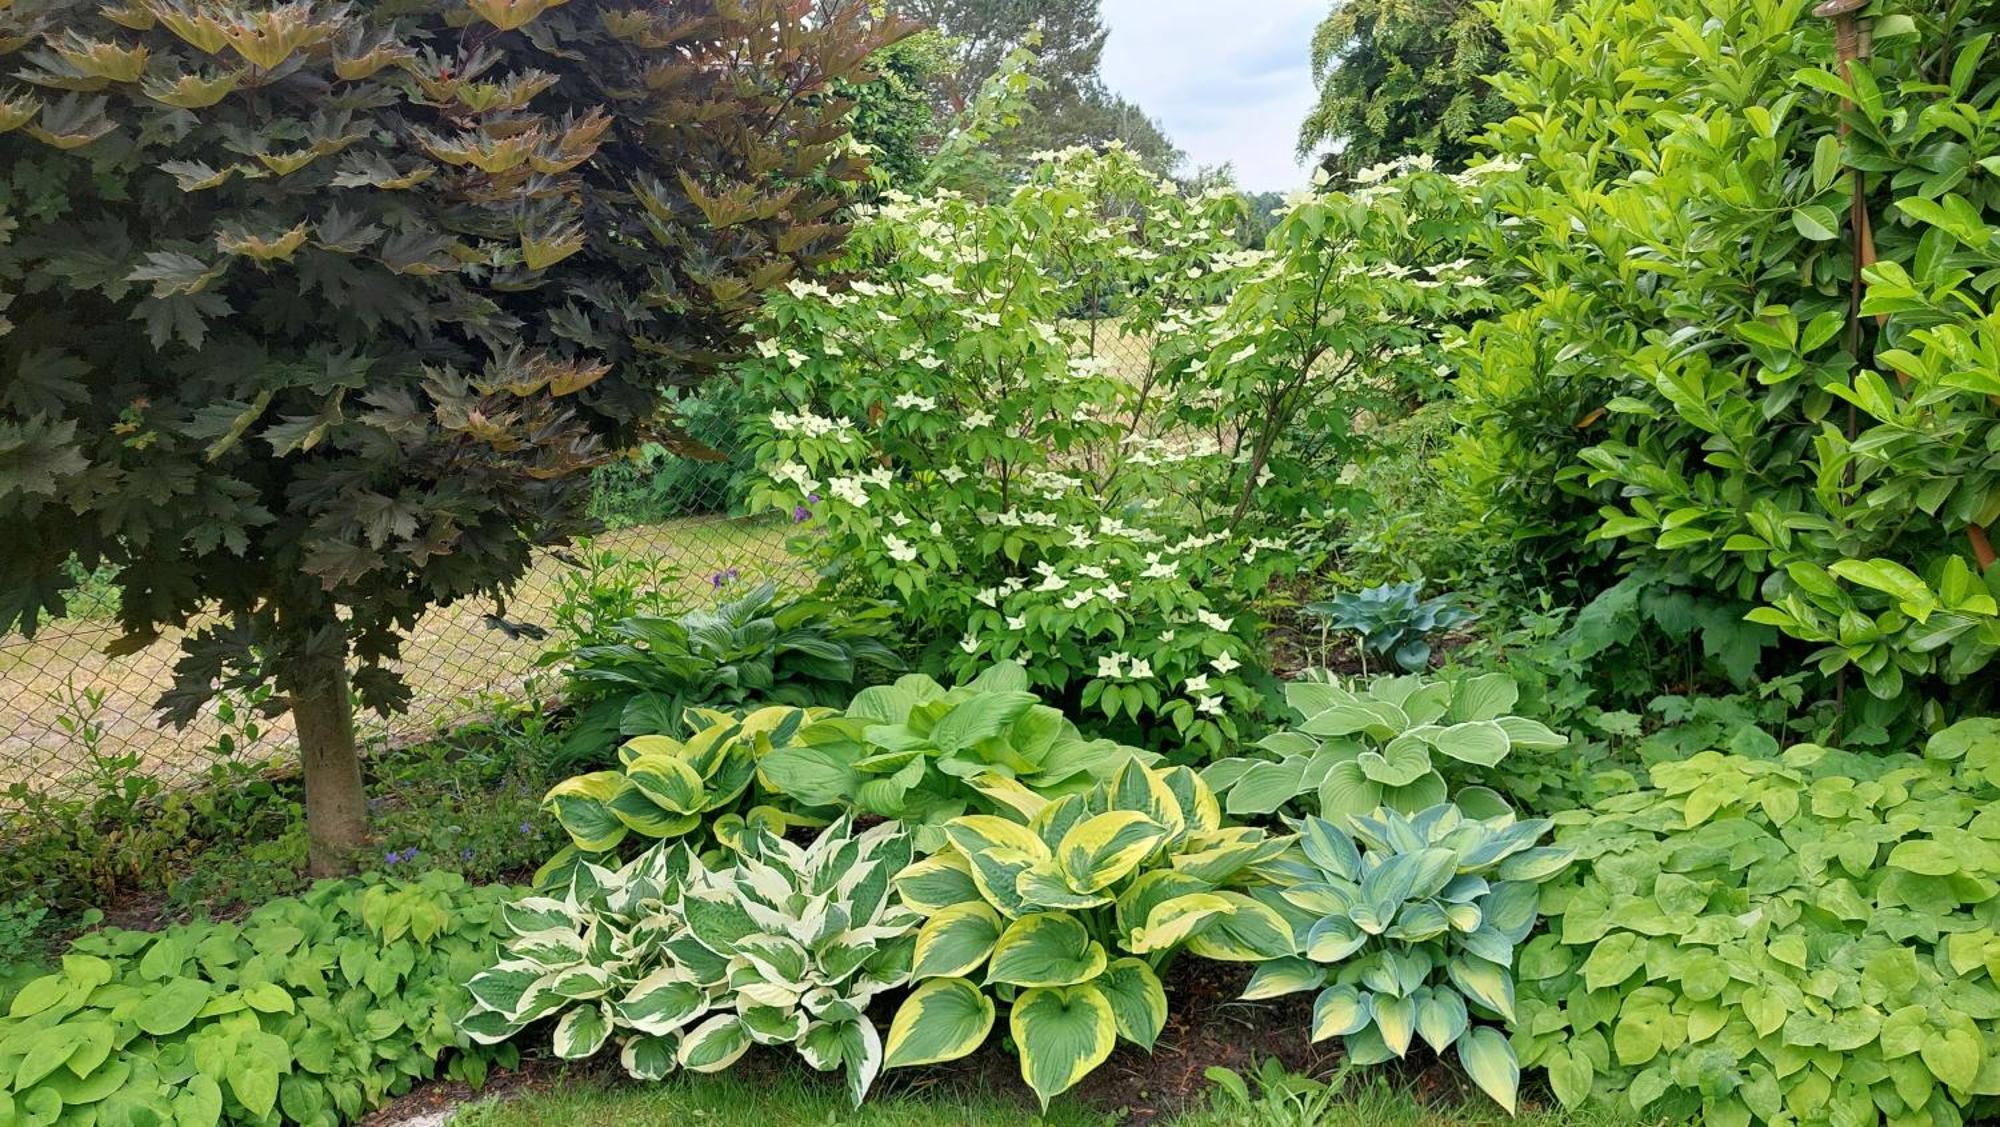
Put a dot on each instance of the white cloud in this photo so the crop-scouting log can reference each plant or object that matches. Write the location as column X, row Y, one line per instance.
column 1229, row 82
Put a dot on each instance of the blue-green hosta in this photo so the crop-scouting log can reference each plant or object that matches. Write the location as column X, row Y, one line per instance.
column 1385, row 742
column 1068, row 905
column 924, row 754
column 688, row 965
column 1807, row 939
column 1407, row 927
column 667, row 787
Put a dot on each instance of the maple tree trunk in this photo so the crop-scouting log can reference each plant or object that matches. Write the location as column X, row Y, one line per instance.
column 336, row 803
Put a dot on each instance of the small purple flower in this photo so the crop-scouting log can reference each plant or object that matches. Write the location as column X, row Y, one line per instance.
column 394, row 857
column 465, row 854
column 801, row 514
column 526, row 828
column 723, row 578
column 812, row 498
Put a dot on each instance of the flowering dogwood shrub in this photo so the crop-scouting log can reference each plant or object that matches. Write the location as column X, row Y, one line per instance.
column 1048, row 423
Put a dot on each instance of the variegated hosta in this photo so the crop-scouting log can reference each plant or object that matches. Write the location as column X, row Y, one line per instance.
column 1069, row 905
column 688, row 965
column 1366, row 746
column 668, row 787
column 1408, row 928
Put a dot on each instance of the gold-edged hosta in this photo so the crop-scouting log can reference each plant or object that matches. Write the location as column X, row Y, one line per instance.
column 1073, row 902
column 668, row 787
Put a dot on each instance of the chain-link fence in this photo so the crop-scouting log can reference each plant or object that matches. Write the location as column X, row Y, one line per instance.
column 74, row 719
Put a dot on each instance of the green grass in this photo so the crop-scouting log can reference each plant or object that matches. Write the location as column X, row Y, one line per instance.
column 783, row 1097
column 757, row 1097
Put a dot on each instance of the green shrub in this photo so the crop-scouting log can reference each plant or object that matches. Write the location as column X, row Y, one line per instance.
column 313, row 1008
column 1358, row 749
column 1802, row 938
column 1685, row 384
column 689, row 965
column 1409, row 928
column 1070, row 906
column 646, row 671
column 920, row 753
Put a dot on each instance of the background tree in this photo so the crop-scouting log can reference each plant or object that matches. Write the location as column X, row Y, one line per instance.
column 1398, row 77
column 1071, row 106
column 317, row 317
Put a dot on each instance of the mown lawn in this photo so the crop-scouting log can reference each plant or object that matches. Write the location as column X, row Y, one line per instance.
column 767, row 1098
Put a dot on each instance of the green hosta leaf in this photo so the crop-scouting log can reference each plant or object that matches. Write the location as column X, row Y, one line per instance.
column 943, row 1019
column 998, row 851
column 1062, row 1033
column 1138, row 1001
column 1490, row 1061
column 1262, row 786
column 1441, row 1017
column 662, row 1002
column 937, row 882
column 647, row 1058
column 1486, row 983
column 582, row 1031
column 956, row 940
column 1046, row 949
column 1284, row 976
column 1483, row 743
column 1395, row 1021
column 1251, row 932
column 1173, row 922
column 1406, row 759
column 1340, row 1011
column 669, row 781
column 715, row 1044
column 1100, row 851
column 583, row 805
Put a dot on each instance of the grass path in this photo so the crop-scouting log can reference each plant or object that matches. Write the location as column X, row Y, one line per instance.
column 786, row 1097
column 453, row 659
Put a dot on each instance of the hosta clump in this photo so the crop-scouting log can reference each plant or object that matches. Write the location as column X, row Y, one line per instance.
column 1069, row 905
column 754, row 648
column 688, row 965
column 1801, row 939
column 924, row 754
column 312, row 1010
column 1386, row 742
column 1408, row 928
column 667, row 787
column 1392, row 620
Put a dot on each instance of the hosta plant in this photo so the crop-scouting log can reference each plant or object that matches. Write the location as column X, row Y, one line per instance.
column 1064, row 908
column 1410, row 927
column 1805, row 938
column 1392, row 621
column 1385, row 742
column 311, row 1011
column 755, row 648
column 667, row 787
column 924, row 754
column 687, row 965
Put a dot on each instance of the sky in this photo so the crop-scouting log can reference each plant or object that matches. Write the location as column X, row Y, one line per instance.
column 1229, row 81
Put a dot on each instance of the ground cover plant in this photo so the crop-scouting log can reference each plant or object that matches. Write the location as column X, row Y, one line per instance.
column 315, row 1008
